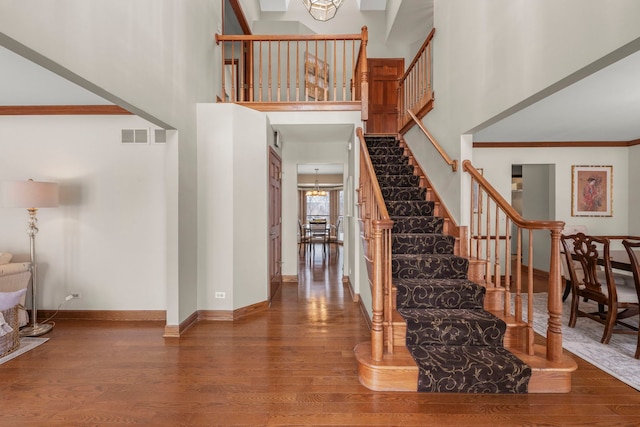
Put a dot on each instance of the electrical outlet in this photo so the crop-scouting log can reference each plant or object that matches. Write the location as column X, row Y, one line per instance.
column 73, row 295
column 220, row 295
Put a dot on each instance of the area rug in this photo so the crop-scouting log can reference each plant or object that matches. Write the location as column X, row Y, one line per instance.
column 26, row 344
column 615, row 358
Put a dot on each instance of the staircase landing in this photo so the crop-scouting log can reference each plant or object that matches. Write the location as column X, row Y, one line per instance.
column 398, row 371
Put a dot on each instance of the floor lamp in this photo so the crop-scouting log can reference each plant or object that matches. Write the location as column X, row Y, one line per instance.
column 32, row 195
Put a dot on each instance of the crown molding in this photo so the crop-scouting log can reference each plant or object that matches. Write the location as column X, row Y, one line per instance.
column 46, row 110
column 558, row 144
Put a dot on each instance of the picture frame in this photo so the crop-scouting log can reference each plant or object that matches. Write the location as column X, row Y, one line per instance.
column 592, row 191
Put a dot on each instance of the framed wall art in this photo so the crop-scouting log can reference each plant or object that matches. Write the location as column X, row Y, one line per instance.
column 591, row 190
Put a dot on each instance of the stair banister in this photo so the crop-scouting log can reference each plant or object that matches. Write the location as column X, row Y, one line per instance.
column 376, row 232
column 481, row 188
column 451, row 162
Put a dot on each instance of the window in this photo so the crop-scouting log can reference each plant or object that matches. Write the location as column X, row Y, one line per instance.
column 318, row 207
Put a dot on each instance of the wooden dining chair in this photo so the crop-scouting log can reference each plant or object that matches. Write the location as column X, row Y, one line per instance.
column 619, row 301
column 635, row 269
column 319, row 234
column 303, row 239
column 334, row 231
column 570, row 229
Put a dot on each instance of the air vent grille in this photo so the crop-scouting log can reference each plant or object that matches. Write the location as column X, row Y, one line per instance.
column 135, row 136
column 160, row 136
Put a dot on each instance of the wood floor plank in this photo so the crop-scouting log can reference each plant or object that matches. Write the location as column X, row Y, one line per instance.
column 292, row 364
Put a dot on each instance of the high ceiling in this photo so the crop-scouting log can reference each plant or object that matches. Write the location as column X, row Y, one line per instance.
column 602, row 104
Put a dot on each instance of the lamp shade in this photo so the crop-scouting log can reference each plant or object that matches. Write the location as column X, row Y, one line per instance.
column 30, row 194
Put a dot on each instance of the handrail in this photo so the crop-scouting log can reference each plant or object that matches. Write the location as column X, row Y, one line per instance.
column 285, row 37
column 513, row 214
column 436, row 145
column 376, row 237
column 368, row 168
column 491, row 214
column 296, row 72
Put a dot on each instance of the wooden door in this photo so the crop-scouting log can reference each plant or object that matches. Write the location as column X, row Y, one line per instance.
column 275, row 223
column 384, row 74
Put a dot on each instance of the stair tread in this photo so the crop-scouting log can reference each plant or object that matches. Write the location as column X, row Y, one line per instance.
column 450, row 282
column 399, row 372
column 470, row 369
column 427, row 256
column 443, row 293
column 449, row 316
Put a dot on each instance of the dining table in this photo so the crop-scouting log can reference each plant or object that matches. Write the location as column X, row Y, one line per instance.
column 620, row 259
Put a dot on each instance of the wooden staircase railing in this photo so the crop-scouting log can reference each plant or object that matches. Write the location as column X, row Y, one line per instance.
column 297, row 72
column 448, row 160
column 375, row 230
column 415, row 89
column 494, row 225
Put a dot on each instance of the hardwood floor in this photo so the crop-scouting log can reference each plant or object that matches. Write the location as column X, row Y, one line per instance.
column 290, row 365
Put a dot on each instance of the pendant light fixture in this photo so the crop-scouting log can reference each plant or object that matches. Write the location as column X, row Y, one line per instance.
column 316, row 189
column 322, row 10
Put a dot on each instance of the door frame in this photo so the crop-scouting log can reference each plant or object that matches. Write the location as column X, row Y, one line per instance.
column 275, row 227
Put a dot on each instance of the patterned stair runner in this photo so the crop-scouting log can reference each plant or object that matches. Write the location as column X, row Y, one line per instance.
column 457, row 345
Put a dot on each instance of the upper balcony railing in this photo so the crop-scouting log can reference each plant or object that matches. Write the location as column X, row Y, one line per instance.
column 299, row 72
column 415, row 89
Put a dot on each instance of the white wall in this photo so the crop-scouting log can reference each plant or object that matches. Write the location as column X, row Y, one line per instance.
column 634, row 196
column 107, row 238
column 232, row 206
column 492, row 55
column 155, row 58
column 497, row 169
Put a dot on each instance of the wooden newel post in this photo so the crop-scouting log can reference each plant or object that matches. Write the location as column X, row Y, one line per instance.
column 554, row 326
column 364, row 83
column 381, row 289
column 377, row 330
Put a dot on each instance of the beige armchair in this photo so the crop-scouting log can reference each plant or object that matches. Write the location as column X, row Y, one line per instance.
column 14, row 276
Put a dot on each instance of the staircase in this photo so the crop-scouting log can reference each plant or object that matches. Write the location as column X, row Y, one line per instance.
column 443, row 338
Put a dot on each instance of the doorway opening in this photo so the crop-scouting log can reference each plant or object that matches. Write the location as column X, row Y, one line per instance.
column 320, row 211
column 533, row 196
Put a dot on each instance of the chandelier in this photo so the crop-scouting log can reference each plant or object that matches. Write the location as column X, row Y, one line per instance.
column 322, row 10
column 316, row 189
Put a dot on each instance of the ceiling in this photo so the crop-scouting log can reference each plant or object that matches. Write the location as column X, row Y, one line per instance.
column 323, row 168
column 602, row 104
column 23, row 82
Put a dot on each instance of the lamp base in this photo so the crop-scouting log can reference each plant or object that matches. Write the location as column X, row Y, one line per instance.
column 36, row 330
